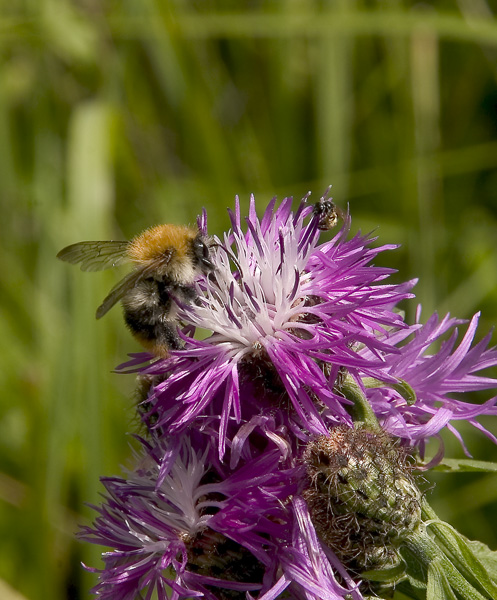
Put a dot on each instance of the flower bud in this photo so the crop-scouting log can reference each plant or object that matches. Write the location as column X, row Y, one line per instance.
column 362, row 496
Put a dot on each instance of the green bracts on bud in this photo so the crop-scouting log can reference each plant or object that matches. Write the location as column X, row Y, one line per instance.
column 366, row 506
column 362, row 496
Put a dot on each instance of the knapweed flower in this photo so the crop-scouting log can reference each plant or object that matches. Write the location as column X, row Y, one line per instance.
column 435, row 378
column 195, row 531
column 290, row 316
column 286, row 314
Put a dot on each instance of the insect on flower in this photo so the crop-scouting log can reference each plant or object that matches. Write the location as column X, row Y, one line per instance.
column 167, row 259
column 327, row 213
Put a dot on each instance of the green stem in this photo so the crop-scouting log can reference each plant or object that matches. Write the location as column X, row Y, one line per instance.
column 361, row 411
column 445, row 539
column 404, row 389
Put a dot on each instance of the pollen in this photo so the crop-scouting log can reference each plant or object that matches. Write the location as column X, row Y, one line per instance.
column 157, row 240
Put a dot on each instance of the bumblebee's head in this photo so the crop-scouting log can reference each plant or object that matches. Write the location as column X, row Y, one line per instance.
column 201, row 254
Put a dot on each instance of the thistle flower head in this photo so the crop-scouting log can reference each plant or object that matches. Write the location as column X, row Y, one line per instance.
column 194, row 530
column 147, row 520
column 286, row 313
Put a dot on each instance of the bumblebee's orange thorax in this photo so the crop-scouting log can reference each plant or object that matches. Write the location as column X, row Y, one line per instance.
column 159, row 240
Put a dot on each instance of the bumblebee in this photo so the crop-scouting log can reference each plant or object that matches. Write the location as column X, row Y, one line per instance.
column 327, row 214
column 166, row 259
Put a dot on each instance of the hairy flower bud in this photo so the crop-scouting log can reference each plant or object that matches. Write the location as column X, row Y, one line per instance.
column 362, row 496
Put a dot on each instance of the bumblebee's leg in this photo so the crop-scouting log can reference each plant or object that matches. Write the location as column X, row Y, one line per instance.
column 155, row 333
column 144, row 383
column 166, row 335
column 186, row 293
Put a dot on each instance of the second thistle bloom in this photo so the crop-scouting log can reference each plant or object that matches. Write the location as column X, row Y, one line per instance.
column 193, row 531
column 436, row 380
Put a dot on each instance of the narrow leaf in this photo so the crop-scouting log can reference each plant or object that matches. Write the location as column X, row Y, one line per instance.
column 454, row 465
column 438, row 586
column 463, row 557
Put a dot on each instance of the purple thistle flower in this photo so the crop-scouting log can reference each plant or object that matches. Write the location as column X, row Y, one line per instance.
column 283, row 324
column 435, row 378
column 197, row 531
column 146, row 525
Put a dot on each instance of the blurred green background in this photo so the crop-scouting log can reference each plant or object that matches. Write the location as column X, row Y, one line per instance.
column 116, row 115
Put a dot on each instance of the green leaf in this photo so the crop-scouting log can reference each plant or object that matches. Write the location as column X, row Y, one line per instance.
column 438, row 586
column 454, row 465
column 415, row 569
column 404, row 389
column 411, row 588
column 464, row 558
column 487, row 557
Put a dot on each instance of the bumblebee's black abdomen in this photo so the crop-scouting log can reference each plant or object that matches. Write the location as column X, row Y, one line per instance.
column 150, row 313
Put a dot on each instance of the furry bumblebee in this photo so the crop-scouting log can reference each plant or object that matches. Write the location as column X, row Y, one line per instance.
column 166, row 259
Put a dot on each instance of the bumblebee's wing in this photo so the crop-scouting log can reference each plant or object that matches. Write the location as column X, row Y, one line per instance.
column 118, row 291
column 95, row 256
column 123, row 286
